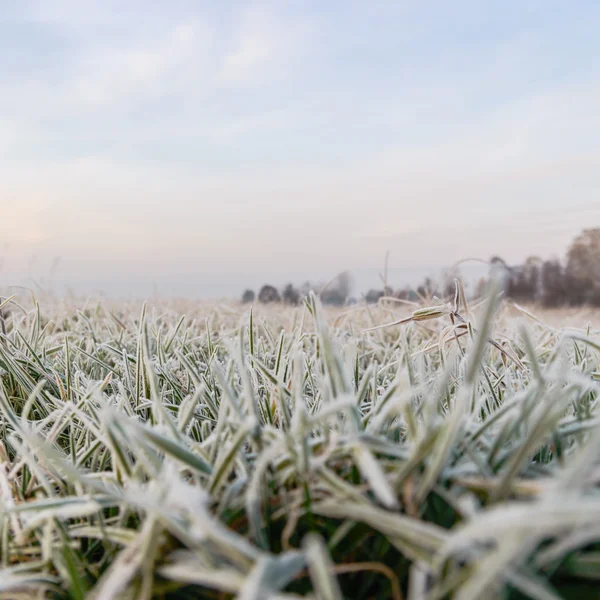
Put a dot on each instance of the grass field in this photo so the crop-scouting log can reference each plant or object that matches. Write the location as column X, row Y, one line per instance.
column 182, row 450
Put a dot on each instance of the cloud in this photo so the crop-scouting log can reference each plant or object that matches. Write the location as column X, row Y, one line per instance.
column 149, row 83
column 110, row 77
column 260, row 123
column 265, row 44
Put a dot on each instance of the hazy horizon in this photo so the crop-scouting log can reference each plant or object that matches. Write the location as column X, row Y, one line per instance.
column 199, row 285
column 197, row 148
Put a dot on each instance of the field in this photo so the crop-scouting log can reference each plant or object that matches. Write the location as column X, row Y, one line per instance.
column 182, row 450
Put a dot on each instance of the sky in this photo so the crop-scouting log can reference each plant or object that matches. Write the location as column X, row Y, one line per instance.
column 198, row 148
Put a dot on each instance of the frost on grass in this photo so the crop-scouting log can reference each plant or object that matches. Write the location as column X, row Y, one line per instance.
column 209, row 452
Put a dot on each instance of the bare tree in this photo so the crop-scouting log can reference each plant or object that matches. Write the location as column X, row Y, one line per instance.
column 553, row 289
column 344, row 284
column 268, row 294
column 583, row 268
column 373, row 296
column 525, row 281
column 338, row 291
column 291, row 295
column 248, row 297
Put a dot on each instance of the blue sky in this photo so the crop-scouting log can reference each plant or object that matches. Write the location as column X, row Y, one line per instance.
column 203, row 146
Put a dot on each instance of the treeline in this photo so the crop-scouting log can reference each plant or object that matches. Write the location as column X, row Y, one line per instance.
column 338, row 292
column 550, row 283
column 553, row 283
column 335, row 293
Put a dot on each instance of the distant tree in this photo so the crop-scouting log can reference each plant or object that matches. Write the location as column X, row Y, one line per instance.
column 524, row 282
column 500, row 271
column 306, row 288
column 338, row 291
column 268, row 294
column 333, row 297
column 553, row 285
column 373, row 296
column 448, row 283
column 533, row 274
column 291, row 295
column 248, row 297
column 427, row 289
column 344, row 284
column 583, row 268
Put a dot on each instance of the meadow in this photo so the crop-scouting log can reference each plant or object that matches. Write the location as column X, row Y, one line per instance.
column 182, row 450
